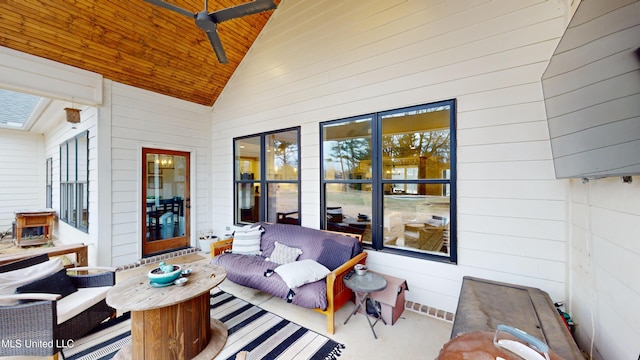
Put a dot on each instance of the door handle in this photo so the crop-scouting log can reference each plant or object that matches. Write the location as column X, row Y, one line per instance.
column 188, row 203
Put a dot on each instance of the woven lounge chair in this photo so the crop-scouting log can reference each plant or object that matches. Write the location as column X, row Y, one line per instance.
column 31, row 328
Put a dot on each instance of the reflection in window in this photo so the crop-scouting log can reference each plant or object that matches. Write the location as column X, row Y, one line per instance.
column 282, row 156
column 347, row 170
column 388, row 176
column 74, row 181
column 165, row 191
column 348, row 209
column 267, row 177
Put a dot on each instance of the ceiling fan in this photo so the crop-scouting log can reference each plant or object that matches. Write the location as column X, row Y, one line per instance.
column 209, row 21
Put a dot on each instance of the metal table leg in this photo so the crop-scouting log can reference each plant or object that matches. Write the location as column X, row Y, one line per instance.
column 360, row 302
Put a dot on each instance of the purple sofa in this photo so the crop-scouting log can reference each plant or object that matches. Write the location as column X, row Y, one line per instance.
column 338, row 252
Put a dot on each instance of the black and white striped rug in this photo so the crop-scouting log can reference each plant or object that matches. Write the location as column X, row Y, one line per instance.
column 263, row 334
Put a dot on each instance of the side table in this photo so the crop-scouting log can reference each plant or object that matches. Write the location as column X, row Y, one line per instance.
column 363, row 286
column 172, row 321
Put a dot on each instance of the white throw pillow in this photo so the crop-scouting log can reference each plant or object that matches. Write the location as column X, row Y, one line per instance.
column 246, row 241
column 283, row 254
column 298, row 273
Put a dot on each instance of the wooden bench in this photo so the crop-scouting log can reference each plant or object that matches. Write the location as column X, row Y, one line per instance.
column 484, row 304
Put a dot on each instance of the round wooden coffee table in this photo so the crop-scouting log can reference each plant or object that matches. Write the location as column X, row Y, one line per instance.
column 171, row 320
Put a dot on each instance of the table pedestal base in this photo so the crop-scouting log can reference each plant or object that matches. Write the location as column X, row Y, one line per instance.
column 218, row 340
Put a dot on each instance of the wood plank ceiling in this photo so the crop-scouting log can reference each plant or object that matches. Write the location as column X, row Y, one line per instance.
column 132, row 42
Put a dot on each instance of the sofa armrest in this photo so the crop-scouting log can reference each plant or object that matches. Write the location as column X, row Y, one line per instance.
column 31, row 296
column 34, row 322
column 83, row 280
column 335, row 282
column 220, row 247
column 337, row 293
column 93, row 268
column 343, row 269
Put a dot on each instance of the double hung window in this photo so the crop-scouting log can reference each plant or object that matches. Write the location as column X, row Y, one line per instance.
column 267, row 177
column 390, row 176
column 74, row 181
column 49, row 183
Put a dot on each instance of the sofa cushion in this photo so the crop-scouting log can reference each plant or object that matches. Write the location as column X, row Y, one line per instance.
column 246, row 241
column 56, row 283
column 298, row 273
column 283, row 254
column 249, row 271
column 84, row 298
column 329, row 249
column 11, row 280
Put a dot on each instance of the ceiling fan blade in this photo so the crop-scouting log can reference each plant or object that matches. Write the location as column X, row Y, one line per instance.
column 241, row 10
column 217, row 46
column 172, row 7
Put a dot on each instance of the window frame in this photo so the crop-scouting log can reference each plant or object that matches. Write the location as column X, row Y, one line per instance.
column 378, row 181
column 49, row 183
column 263, row 181
column 74, row 191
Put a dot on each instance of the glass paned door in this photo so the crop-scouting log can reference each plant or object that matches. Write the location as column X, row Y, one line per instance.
column 166, row 200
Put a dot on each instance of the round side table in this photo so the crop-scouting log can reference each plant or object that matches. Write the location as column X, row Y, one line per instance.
column 171, row 320
column 363, row 286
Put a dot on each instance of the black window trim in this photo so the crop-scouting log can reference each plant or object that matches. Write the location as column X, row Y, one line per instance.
column 72, row 181
column 377, row 181
column 49, row 183
column 264, row 183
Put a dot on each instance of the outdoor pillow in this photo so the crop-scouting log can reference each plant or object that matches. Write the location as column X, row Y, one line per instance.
column 298, row 273
column 283, row 254
column 11, row 280
column 246, row 241
column 56, row 283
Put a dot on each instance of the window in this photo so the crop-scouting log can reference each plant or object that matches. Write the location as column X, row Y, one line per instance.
column 390, row 176
column 49, row 183
column 267, row 177
column 74, row 181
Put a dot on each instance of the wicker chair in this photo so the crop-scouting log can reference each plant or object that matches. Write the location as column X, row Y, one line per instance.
column 35, row 322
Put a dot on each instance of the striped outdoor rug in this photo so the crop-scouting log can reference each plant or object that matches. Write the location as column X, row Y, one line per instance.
column 263, row 334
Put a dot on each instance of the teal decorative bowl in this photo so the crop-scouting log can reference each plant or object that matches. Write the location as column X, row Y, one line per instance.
column 157, row 276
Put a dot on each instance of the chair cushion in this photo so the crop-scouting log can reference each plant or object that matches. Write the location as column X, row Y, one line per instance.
column 11, row 280
column 56, row 283
column 84, row 298
column 283, row 254
column 298, row 273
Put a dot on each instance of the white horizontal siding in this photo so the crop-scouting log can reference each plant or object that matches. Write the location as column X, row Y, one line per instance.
column 28, row 152
column 138, row 119
column 22, row 176
column 604, row 266
column 58, row 132
column 323, row 60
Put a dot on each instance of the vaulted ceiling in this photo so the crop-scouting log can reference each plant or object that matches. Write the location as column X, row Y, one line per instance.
column 132, row 42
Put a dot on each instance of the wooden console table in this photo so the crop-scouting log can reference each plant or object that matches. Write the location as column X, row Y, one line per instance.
column 34, row 218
